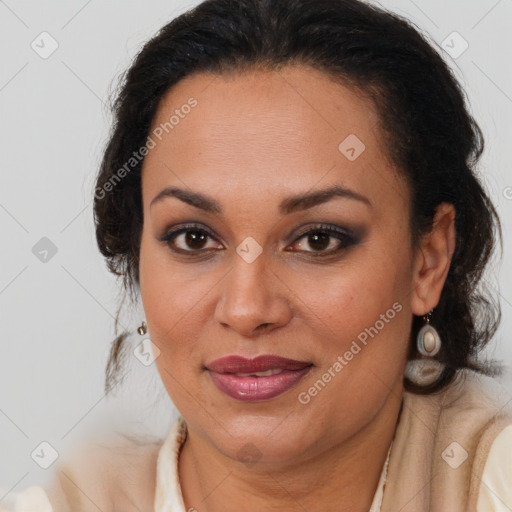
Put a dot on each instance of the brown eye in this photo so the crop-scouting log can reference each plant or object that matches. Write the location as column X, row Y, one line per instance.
column 188, row 240
column 325, row 240
column 195, row 239
column 319, row 241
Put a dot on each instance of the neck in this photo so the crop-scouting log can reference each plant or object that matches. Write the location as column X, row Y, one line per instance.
column 345, row 477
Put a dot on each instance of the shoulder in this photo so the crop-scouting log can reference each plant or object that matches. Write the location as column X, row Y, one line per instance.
column 475, row 431
column 471, row 392
column 118, row 473
column 31, row 499
column 471, row 403
column 496, row 485
column 445, row 439
column 470, row 413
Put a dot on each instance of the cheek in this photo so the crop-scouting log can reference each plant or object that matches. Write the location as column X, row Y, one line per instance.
column 175, row 298
column 172, row 303
column 353, row 296
column 362, row 316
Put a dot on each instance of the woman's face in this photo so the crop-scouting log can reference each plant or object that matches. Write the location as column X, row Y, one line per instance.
column 257, row 274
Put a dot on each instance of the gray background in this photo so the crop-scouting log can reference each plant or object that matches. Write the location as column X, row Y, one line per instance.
column 57, row 316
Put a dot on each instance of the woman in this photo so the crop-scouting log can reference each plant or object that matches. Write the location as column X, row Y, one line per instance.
column 290, row 187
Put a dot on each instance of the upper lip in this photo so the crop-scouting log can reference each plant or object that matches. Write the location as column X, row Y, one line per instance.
column 238, row 364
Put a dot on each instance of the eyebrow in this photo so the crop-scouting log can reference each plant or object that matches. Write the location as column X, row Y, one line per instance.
column 287, row 206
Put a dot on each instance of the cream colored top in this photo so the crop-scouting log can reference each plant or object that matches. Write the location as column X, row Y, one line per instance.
column 168, row 492
column 495, row 492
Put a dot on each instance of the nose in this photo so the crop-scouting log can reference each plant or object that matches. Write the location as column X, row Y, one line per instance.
column 253, row 299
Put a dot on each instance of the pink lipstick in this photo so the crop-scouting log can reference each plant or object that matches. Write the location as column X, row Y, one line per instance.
column 256, row 379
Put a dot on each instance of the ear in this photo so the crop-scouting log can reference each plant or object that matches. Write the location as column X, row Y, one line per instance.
column 432, row 261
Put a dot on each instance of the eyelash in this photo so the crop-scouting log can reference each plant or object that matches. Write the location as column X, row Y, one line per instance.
column 345, row 237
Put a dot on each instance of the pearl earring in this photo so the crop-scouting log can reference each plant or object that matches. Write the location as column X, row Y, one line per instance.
column 426, row 371
column 428, row 340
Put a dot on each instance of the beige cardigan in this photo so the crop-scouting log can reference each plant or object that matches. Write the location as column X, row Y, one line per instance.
column 436, row 462
column 428, row 470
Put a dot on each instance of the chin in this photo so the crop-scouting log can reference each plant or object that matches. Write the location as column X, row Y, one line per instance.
column 264, row 439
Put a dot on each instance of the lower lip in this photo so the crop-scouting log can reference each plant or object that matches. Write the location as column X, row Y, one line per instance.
column 252, row 389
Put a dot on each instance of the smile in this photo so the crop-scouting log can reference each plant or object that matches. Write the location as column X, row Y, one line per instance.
column 256, row 379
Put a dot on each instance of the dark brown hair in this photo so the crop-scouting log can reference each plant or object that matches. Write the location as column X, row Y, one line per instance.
column 433, row 140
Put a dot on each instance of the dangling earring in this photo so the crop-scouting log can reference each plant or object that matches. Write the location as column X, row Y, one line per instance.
column 428, row 340
column 427, row 370
column 143, row 328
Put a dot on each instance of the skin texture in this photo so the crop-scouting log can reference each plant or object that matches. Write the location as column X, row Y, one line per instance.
column 253, row 139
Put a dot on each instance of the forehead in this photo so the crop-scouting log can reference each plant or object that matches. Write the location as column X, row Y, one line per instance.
column 285, row 130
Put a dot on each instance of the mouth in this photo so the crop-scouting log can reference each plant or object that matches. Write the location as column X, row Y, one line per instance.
column 256, row 379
